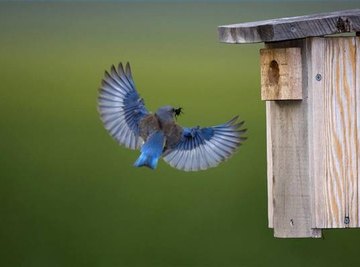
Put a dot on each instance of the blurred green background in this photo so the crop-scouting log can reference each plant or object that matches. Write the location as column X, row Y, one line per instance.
column 69, row 195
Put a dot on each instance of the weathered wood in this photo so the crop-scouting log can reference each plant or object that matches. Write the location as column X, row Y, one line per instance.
column 316, row 76
column 291, row 28
column 334, row 132
column 357, row 88
column 281, row 76
column 288, row 154
column 270, row 172
column 291, row 191
column 327, row 163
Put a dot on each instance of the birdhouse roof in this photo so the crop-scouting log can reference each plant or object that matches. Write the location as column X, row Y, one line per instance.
column 292, row 27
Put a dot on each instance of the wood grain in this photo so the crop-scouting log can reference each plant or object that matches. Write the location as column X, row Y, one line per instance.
column 288, row 154
column 281, row 74
column 334, row 133
column 315, row 66
column 270, row 172
column 357, row 92
column 292, row 209
column 318, row 180
column 291, row 28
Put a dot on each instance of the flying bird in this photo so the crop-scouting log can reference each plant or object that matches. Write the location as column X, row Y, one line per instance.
column 157, row 135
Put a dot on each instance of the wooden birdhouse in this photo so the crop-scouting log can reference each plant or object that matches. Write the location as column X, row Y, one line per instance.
column 310, row 80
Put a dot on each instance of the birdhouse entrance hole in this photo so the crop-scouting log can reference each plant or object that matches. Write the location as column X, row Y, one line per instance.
column 311, row 85
column 273, row 73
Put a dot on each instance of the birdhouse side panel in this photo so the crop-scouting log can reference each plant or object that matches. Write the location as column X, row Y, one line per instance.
column 357, row 86
column 334, row 130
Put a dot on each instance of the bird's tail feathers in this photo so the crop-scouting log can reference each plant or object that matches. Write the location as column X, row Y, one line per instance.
column 151, row 151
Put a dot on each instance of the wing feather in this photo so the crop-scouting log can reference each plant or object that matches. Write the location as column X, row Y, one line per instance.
column 120, row 106
column 203, row 148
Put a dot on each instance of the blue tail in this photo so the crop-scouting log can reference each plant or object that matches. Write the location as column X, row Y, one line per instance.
column 151, row 151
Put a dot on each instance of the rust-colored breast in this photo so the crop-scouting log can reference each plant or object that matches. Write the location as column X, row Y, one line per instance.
column 173, row 133
column 148, row 125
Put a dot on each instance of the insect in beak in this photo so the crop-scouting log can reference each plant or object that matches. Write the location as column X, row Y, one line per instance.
column 178, row 111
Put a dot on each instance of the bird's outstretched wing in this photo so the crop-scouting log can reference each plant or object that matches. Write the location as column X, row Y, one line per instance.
column 121, row 107
column 203, row 148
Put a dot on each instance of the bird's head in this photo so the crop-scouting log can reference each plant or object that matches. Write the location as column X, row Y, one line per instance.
column 168, row 113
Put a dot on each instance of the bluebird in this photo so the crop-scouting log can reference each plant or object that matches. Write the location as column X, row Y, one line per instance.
column 157, row 134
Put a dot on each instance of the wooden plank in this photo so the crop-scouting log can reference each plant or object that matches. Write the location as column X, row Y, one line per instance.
column 316, row 77
column 291, row 189
column 334, row 133
column 289, row 173
column 289, row 170
column 348, row 46
column 281, row 75
column 270, row 177
column 357, row 88
column 291, row 28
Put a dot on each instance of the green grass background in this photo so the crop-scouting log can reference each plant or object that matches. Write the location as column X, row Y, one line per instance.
column 69, row 195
